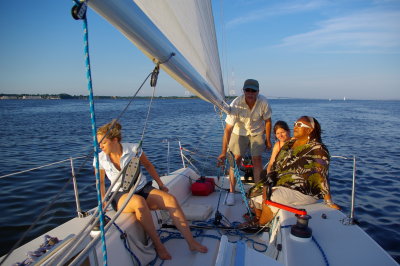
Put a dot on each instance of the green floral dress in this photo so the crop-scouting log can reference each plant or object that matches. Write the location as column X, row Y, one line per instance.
column 303, row 168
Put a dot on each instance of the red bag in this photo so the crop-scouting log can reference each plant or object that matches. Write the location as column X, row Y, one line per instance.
column 203, row 186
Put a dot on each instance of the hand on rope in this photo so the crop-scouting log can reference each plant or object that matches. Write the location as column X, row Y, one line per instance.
column 221, row 159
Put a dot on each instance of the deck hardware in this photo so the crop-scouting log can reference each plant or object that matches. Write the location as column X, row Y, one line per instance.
column 154, row 75
column 78, row 11
column 217, row 218
column 301, row 229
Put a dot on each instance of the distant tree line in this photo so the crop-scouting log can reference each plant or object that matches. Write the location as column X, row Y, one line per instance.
column 65, row 96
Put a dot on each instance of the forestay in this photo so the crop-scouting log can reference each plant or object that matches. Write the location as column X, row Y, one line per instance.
column 184, row 28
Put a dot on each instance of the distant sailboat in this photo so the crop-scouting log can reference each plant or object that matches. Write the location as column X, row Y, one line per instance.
column 344, row 98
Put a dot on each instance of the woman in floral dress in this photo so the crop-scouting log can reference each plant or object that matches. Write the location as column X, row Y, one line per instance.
column 300, row 171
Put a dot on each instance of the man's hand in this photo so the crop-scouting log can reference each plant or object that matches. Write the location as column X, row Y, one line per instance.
column 268, row 144
column 221, row 159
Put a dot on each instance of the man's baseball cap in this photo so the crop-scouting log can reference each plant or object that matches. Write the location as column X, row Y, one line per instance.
column 251, row 84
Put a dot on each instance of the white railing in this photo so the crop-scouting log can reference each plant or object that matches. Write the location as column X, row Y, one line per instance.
column 351, row 219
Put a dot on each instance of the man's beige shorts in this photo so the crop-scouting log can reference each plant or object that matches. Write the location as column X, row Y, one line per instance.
column 240, row 144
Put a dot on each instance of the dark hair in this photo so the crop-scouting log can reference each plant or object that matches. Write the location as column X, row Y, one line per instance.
column 281, row 124
column 316, row 133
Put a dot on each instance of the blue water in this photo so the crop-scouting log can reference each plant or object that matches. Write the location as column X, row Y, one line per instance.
column 38, row 132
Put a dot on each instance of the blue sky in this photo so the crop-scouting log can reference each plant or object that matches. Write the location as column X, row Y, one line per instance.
column 308, row 49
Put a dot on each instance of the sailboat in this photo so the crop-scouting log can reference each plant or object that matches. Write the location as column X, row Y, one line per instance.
column 179, row 37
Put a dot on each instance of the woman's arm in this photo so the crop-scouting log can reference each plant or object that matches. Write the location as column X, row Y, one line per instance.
column 275, row 151
column 152, row 171
column 102, row 185
column 321, row 167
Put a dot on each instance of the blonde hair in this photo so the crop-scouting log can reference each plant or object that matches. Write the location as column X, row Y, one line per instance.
column 111, row 130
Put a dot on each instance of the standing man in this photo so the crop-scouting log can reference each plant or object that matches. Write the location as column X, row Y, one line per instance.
column 249, row 120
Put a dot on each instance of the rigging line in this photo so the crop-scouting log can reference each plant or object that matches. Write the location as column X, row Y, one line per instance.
column 42, row 166
column 63, row 188
column 79, row 237
column 150, row 104
column 153, row 83
column 36, row 221
column 114, row 122
column 96, row 238
column 94, row 136
column 207, row 155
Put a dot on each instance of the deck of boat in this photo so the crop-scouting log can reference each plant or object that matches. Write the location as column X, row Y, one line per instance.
column 333, row 242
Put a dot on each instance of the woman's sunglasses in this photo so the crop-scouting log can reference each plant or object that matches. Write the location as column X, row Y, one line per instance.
column 301, row 124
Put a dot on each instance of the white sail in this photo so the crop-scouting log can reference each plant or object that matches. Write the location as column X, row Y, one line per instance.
column 183, row 27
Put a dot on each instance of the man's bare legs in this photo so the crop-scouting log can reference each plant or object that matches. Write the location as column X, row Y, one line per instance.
column 257, row 167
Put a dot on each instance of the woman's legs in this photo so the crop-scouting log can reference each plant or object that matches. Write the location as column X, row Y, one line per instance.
column 158, row 199
column 138, row 206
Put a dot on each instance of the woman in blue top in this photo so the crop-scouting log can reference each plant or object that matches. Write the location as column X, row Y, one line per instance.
column 113, row 158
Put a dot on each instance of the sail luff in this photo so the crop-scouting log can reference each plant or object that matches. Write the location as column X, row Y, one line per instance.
column 129, row 18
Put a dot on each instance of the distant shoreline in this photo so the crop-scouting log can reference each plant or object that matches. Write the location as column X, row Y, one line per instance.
column 64, row 96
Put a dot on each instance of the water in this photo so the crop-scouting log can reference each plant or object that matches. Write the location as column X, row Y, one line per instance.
column 38, row 132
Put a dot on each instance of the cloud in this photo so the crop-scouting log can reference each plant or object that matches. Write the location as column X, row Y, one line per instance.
column 363, row 31
column 262, row 13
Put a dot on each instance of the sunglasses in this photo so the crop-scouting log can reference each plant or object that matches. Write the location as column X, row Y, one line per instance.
column 250, row 90
column 301, row 124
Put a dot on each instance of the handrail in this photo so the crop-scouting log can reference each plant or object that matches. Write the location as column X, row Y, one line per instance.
column 351, row 219
column 35, row 168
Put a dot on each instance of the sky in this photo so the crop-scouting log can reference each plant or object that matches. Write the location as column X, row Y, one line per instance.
column 299, row 49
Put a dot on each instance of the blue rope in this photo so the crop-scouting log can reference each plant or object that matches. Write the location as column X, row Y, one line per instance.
column 239, row 181
column 95, row 143
column 322, row 251
column 210, row 222
column 316, row 243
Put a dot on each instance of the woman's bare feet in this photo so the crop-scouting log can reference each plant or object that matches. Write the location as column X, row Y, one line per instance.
column 196, row 246
column 162, row 252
